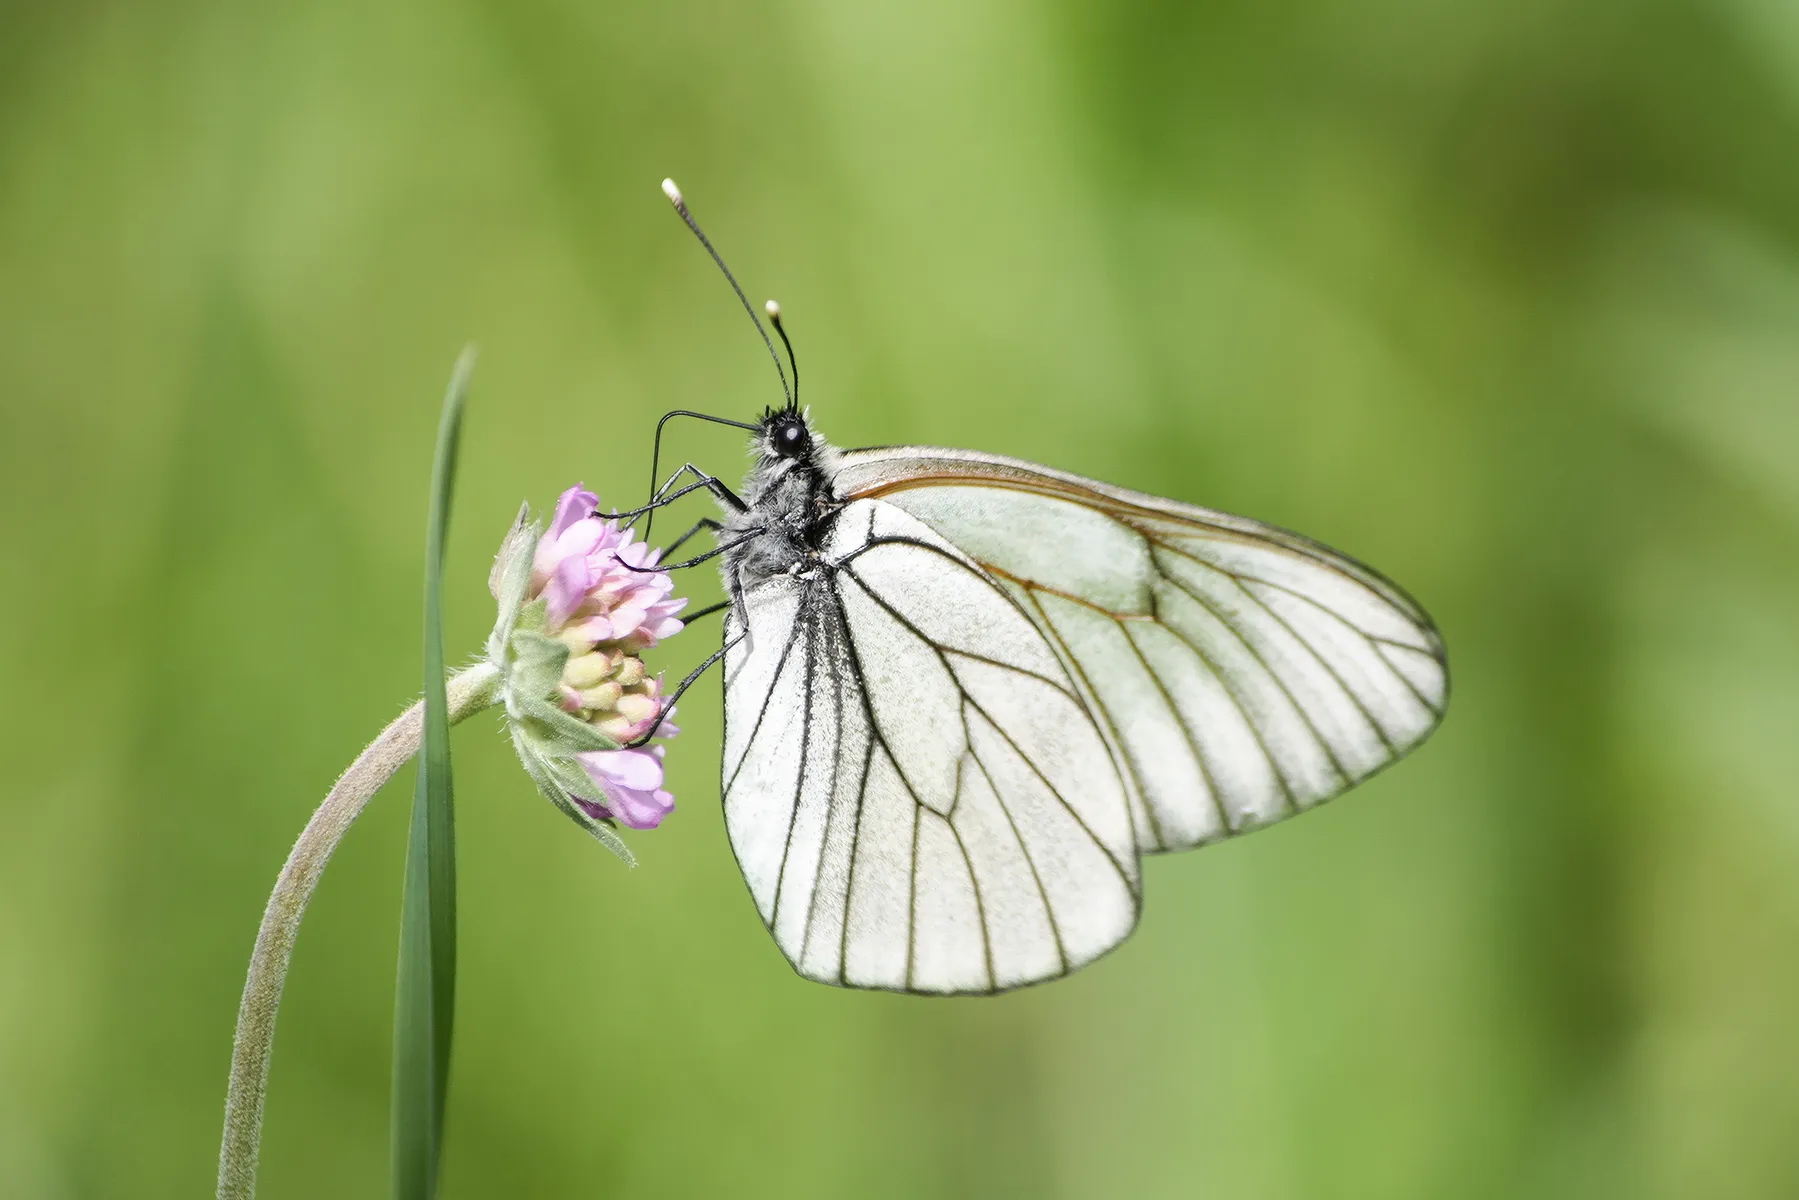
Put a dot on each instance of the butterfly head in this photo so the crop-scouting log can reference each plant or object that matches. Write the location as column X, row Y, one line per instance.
column 785, row 434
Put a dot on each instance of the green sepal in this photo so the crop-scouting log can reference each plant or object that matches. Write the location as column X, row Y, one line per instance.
column 604, row 834
column 545, row 776
column 558, row 733
column 534, row 616
column 568, row 774
column 571, row 778
column 511, row 575
column 537, row 663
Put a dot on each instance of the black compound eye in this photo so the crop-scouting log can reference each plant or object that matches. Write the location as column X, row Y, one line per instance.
column 790, row 439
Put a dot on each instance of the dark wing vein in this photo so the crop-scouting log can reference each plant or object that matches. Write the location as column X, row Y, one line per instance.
column 1205, row 770
column 912, row 891
column 1419, row 620
column 1049, row 912
column 774, row 683
column 918, row 633
column 1374, row 640
column 875, row 736
column 1230, row 690
column 1075, row 668
column 799, row 775
column 1265, row 535
column 980, row 907
column 849, row 886
column 1280, row 683
column 1306, row 643
column 943, row 656
column 974, row 879
column 831, row 807
column 1056, row 792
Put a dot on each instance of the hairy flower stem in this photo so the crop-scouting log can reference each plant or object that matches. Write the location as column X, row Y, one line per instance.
column 470, row 691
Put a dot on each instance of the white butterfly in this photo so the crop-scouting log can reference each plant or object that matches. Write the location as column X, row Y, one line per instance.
column 964, row 693
column 974, row 690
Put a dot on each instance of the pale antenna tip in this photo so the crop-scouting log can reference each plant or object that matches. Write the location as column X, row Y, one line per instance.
column 672, row 192
column 773, row 309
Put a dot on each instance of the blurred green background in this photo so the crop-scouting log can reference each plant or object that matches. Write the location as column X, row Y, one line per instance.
column 1502, row 297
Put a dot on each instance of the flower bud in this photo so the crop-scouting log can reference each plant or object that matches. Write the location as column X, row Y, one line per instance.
column 585, row 670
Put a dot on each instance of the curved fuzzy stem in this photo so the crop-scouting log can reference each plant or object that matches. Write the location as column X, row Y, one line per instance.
column 470, row 691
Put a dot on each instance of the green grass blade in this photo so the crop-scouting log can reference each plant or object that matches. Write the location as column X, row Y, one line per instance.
column 425, row 995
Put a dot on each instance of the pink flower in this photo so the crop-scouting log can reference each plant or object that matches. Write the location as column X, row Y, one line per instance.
column 603, row 602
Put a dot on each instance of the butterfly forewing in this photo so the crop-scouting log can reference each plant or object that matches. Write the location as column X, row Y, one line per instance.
column 1239, row 673
column 915, row 786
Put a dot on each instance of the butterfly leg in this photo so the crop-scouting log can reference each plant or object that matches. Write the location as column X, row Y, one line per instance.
column 717, row 487
column 690, row 618
column 720, row 490
column 742, row 606
column 685, row 469
column 695, row 561
column 669, row 704
column 657, row 497
column 702, row 523
column 665, row 497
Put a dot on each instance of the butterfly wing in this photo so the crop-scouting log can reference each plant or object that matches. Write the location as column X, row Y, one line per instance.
column 1239, row 672
column 914, row 786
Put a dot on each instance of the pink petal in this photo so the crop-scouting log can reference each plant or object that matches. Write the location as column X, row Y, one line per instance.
column 662, row 610
column 643, row 810
column 576, row 504
column 632, row 781
column 583, row 538
column 623, row 768
column 596, row 629
column 626, row 620
column 655, row 587
column 577, row 540
column 633, row 809
column 565, row 590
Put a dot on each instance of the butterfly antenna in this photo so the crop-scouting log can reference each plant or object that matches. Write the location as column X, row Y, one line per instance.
column 674, row 197
column 774, row 318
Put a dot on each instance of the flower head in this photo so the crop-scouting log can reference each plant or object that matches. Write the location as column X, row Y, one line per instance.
column 579, row 603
